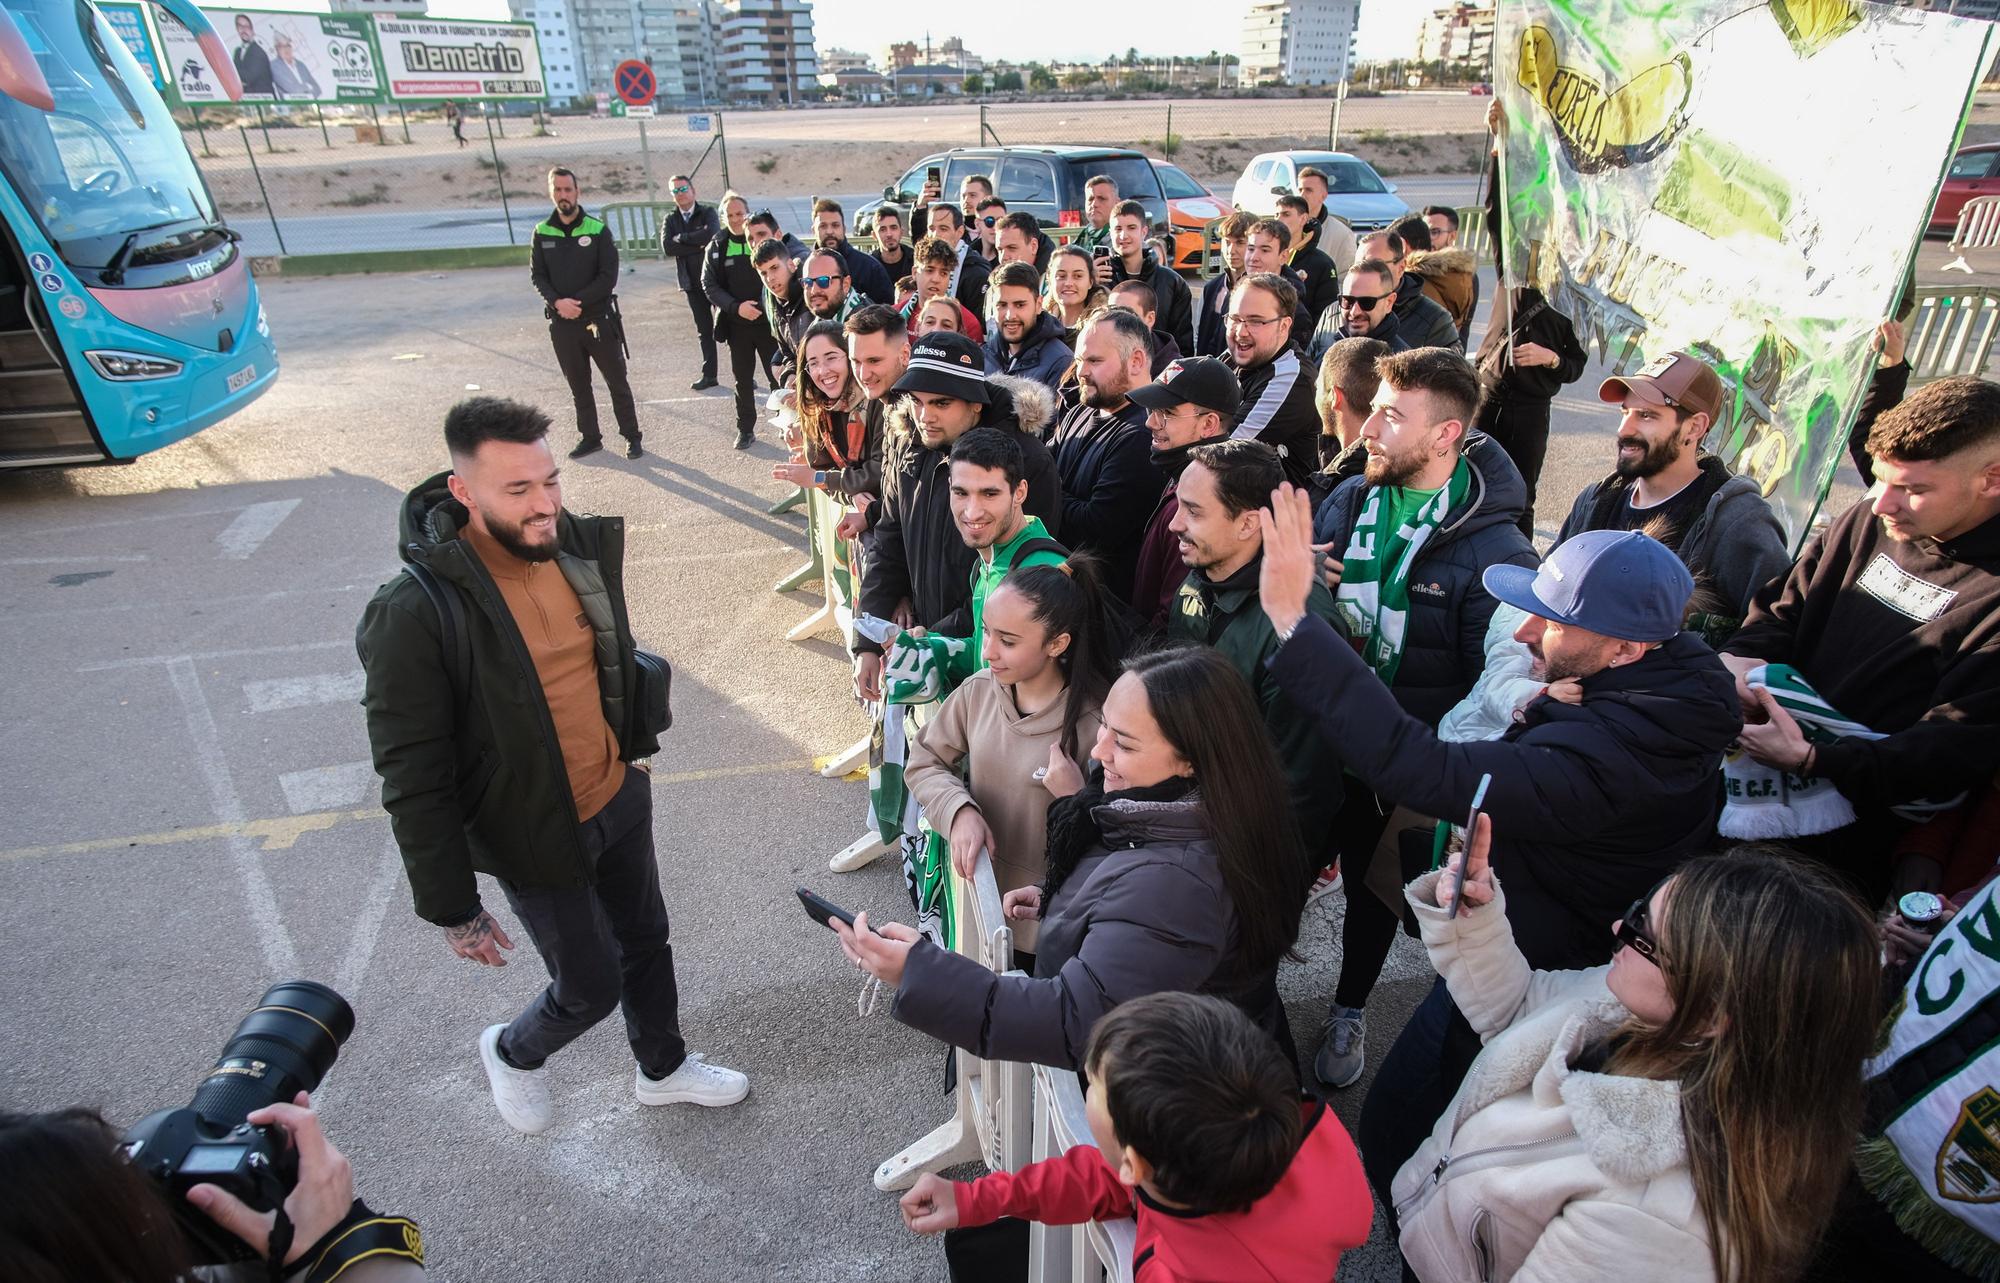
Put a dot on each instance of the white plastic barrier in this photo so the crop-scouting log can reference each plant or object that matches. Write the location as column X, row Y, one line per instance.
column 991, row 1118
column 1978, row 228
column 1100, row 1252
column 1952, row 331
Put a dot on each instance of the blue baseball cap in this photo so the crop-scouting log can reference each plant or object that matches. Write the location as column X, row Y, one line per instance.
column 1619, row 583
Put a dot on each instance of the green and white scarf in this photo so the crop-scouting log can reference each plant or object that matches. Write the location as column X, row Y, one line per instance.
column 912, row 674
column 1763, row 802
column 1374, row 597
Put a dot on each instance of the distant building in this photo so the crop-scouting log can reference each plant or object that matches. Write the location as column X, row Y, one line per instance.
column 927, row 78
column 903, row 53
column 1460, row 35
column 834, row 61
column 766, row 50
column 583, row 41
column 1299, row 42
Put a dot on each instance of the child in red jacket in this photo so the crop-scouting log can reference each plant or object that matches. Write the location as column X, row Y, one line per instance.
column 1201, row 1138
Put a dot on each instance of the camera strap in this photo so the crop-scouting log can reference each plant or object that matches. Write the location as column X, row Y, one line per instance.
column 361, row 1235
column 279, row 1246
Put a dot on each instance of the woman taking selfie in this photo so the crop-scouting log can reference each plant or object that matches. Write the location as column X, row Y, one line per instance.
column 1034, row 707
column 1684, row 1113
column 1176, row 868
column 841, row 457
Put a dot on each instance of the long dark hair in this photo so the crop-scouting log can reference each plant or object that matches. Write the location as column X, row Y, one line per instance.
column 815, row 410
column 1208, row 713
column 1071, row 599
column 72, row 1208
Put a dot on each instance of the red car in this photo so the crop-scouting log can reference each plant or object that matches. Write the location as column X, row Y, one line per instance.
column 1975, row 171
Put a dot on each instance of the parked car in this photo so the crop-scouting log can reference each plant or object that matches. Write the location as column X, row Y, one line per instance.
column 1192, row 207
column 1355, row 192
column 1975, row 171
column 1045, row 181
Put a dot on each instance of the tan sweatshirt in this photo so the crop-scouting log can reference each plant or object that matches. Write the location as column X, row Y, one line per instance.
column 1001, row 750
column 560, row 642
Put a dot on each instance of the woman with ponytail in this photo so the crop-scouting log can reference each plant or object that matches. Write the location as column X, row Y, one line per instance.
column 1175, row 867
column 1034, row 707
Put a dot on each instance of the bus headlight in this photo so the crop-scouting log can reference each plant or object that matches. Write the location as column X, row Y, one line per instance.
column 131, row 367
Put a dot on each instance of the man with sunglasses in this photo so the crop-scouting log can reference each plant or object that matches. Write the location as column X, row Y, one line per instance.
column 986, row 228
column 684, row 236
column 1364, row 309
column 1277, row 381
column 1423, row 320
column 864, row 274
column 1592, row 803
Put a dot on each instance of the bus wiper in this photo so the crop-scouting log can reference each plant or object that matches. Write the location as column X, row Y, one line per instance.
column 114, row 271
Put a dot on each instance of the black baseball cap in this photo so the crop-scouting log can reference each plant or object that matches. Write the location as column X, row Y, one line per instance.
column 1197, row 380
column 946, row 364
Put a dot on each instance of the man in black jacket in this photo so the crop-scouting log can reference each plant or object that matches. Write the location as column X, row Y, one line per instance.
column 1277, row 379
column 1422, row 319
column 1891, row 617
column 1233, row 238
column 1413, row 535
column 921, row 569
column 729, row 276
column 1591, row 804
column 503, row 715
column 684, row 235
column 1365, row 308
column 968, row 279
column 1020, row 239
column 1137, row 296
column 1529, row 354
column 892, row 249
column 1102, row 449
column 1318, row 276
column 1131, row 260
column 865, row 274
column 573, row 262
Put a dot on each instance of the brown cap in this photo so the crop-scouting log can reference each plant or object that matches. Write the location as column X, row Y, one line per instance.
column 1677, row 379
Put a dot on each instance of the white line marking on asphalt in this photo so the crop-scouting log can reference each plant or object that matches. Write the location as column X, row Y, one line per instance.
column 304, row 692
column 252, row 527
column 128, row 521
column 368, row 923
column 684, row 400
column 327, row 788
column 202, row 656
column 65, row 561
column 280, row 958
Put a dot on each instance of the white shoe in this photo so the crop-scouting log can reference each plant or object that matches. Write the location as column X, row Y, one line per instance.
column 1324, row 885
column 858, row 855
column 521, row 1094
column 696, row 1082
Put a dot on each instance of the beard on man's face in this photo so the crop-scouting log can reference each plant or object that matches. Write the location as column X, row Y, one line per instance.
column 517, row 540
column 1651, row 460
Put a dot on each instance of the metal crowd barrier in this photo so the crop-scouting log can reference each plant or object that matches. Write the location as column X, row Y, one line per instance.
column 1978, row 228
column 1100, row 1252
column 635, row 225
column 1952, row 331
column 991, row 1119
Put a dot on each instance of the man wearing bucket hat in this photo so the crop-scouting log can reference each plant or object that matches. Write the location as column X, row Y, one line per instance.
column 1716, row 522
column 1592, row 804
column 920, row 566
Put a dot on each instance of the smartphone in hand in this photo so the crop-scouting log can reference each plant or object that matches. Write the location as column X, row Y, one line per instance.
column 819, row 909
column 1457, row 877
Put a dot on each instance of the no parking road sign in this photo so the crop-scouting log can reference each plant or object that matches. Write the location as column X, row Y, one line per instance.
column 633, row 82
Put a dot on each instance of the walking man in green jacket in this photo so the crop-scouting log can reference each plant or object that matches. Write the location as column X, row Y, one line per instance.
column 503, row 716
column 574, row 264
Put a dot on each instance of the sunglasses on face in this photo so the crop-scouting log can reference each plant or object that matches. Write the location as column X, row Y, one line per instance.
column 1367, row 302
column 1635, row 929
column 682, row 190
column 821, row 282
column 989, row 221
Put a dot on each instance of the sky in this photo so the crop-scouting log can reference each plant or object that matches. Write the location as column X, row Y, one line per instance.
column 1043, row 29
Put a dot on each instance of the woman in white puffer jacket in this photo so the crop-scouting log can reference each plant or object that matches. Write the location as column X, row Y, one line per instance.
column 1684, row 1113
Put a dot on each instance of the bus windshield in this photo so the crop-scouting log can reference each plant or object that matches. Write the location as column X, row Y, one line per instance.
column 107, row 166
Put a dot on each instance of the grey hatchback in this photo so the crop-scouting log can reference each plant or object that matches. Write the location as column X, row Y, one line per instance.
column 1045, row 181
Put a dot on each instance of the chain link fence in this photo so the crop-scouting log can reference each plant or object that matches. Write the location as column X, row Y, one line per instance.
column 303, row 181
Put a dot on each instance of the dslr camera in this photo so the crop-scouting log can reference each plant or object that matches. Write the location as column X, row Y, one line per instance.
column 283, row 1047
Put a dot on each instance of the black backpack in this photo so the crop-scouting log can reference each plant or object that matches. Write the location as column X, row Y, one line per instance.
column 653, row 696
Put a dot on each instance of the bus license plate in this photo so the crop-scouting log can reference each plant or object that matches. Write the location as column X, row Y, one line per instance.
column 241, row 379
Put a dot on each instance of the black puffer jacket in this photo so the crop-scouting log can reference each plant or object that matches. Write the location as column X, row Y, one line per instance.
column 1592, row 804
column 918, row 552
column 1424, row 322
column 1444, row 640
column 1170, row 291
column 1109, row 485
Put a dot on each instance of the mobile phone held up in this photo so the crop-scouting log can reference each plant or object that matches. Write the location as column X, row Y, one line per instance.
column 1465, row 854
column 1100, row 251
column 933, row 177
column 819, row 909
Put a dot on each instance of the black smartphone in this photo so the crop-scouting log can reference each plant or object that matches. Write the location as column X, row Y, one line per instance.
column 933, row 177
column 1465, row 855
column 819, row 909
column 1100, row 251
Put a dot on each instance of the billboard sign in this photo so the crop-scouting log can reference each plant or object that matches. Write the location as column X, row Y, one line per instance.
column 279, row 57
column 430, row 58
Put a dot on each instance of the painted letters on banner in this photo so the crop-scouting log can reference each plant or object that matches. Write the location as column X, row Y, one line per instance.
column 1744, row 183
column 439, row 58
column 279, row 57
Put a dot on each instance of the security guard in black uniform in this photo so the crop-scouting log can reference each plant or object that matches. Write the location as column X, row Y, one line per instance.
column 575, row 267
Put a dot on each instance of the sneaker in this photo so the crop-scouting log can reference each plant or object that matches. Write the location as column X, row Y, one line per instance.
column 696, row 1082
column 521, row 1094
column 1325, row 884
column 632, row 450
column 1343, row 1054
column 703, row 384
column 589, row 445
column 744, row 440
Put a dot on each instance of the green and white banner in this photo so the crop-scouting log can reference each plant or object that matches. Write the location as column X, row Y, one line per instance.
column 1747, row 182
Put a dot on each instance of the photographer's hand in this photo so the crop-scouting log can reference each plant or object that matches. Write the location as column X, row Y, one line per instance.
column 317, row 1203
column 480, row 940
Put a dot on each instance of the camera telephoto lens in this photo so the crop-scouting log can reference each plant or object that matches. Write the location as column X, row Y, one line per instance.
column 283, row 1047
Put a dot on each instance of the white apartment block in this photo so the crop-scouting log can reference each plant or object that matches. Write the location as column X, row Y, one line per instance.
column 702, row 51
column 1299, row 42
column 765, row 51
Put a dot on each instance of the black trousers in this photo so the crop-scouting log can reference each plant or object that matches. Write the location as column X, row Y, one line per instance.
column 750, row 343
column 704, row 326
column 1522, row 429
column 1412, row 1088
column 576, row 347
column 605, row 945
column 1369, row 927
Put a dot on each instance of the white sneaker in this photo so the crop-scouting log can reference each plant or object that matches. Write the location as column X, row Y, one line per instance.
column 859, row 854
column 696, row 1082
column 1324, row 885
column 521, row 1094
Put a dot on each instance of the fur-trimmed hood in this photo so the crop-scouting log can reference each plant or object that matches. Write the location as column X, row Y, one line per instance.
column 1441, row 262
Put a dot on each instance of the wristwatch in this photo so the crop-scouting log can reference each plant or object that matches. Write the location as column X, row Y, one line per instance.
column 819, row 479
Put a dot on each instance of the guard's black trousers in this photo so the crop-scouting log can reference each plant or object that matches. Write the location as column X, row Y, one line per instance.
column 750, row 343
column 576, row 347
column 704, row 326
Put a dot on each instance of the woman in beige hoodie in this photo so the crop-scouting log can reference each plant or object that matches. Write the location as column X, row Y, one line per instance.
column 1684, row 1113
column 1019, row 730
